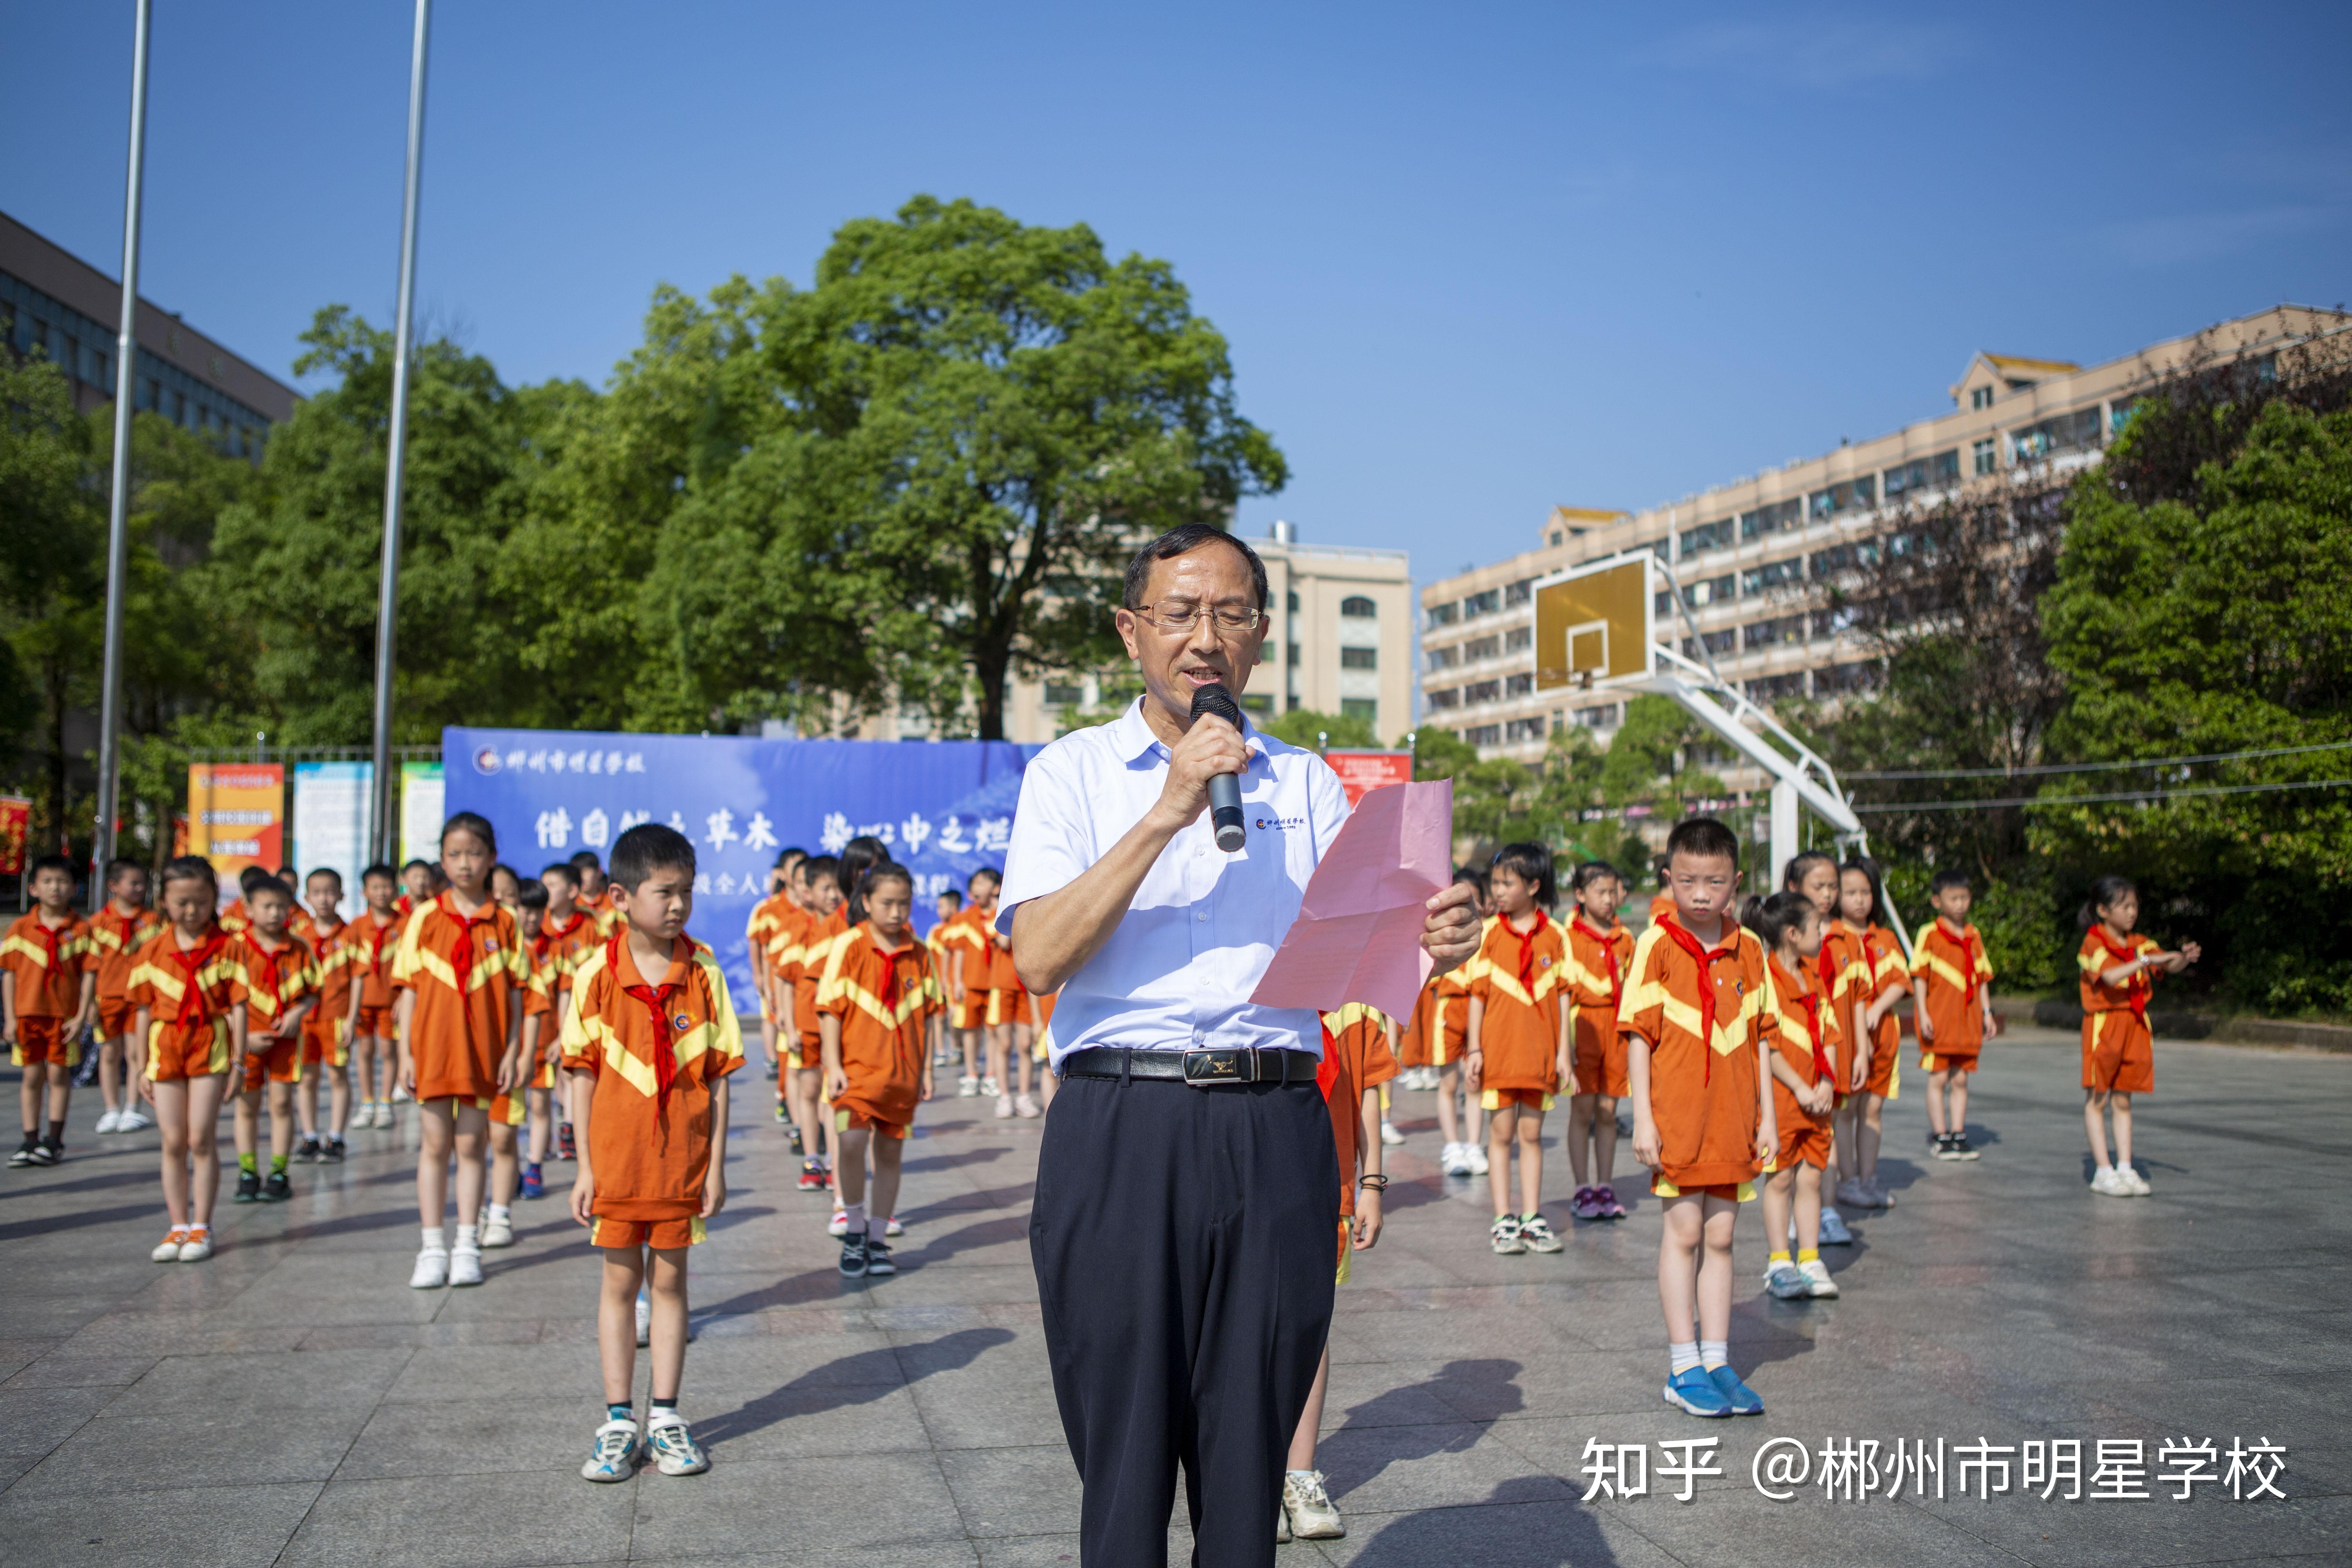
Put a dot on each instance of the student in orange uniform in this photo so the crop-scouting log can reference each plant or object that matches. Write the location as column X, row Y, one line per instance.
column 1599, row 951
column 461, row 980
column 506, row 886
column 326, row 1028
column 796, row 940
column 759, row 931
column 236, row 916
column 1953, row 1013
column 1520, row 1038
column 597, row 896
column 116, row 934
column 1464, row 1151
column 2119, row 968
column 1360, row 1054
column 650, row 1041
column 787, row 936
column 277, row 986
column 1012, row 1029
column 1862, row 967
column 1662, row 902
column 947, row 912
column 879, row 1012
column 179, row 997
column 571, row 931
column 375, row 940
column 1804, row 1087
column 1815, row 875
column 417, row 887
column 551, row 961
column 859, row 855
column 1044, row 1050
column 48, row 994
column 967, row 977
column 1698, row 1026
column 526, row 1072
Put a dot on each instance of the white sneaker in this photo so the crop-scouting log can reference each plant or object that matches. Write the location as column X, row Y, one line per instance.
column 967, row 1087
column 1452, row 1161
column 990, row 1089
column 1026, row 1105
column 465, row 1266
column 2134, row 1181
column 198, row 1247
column 432, row 1270
column 1003, row 1106
column 1833, row 1230
column 497, row 1232
column 893, row 1227
column 2107, row 1184
column 168, row 1250
column 399, row 1095
column 645, row 1321
column 1476, row 1155
column 133, row 1121
column 1390, row 1135
column 109, row 1121
column 1308, row 1507
column 839, row 1224
column 1817, row 1275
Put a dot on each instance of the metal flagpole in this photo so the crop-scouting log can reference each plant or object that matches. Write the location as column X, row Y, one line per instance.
column 117, row 522
column 382, row 828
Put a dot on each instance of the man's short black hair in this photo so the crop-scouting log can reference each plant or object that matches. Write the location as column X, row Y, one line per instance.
column 269, row 886
column 532, row 896
column 995, row 878
column 952, row 893
column 1183, row 541
column 1949, row 876
column 417, row 865
column 325, row 872
column 565, row 870
column 1705, row 837
column 118, row 868
column 383, row 869
column 648, row 847
column 820, row 868
column 586, row 858
column 251, row 877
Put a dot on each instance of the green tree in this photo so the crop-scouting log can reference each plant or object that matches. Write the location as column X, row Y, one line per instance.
column 52, row 530
column 1300, row 726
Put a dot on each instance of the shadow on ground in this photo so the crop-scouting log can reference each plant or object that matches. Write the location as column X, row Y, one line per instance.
column 859, row 1379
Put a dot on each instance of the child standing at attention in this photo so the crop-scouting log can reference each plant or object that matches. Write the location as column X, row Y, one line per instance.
column 2119, row 968
column 799, row 944
column 879, row 1012
column 523, row 1075
column 116, row 934
column 1520, row 1038
column 1862, row 967
column 1815, row 875
column 1804, row 1086
column 374, row 942
column 649, row 1043
column 1703, row 1115
column 180, row 1001
column 277, row 984
column 48, row 994
column 326, row 1029
column 571, row 931
column 1599, row 951
column 1954, row 1011
column 461, row 979
column 1465, row 1151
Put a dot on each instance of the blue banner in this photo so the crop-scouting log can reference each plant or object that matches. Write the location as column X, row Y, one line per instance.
column 944, row 807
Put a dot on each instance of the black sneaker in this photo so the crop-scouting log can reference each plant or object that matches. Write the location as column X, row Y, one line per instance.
column 794, row 1135
column 277, row 1189
column 307, row 1151
column 28, row 1153
column 1943, row 1146
column 334, row 1152
column 878, row 1256
column 1963, row 1149
column 248, row 1187
column 563, row 1145
column 855, row 1256
column 48, row 1152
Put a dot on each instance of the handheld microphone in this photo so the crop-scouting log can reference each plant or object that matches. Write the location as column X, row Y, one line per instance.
column 1225, row 789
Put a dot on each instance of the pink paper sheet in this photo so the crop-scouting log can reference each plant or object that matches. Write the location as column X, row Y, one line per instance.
column 1357, row 934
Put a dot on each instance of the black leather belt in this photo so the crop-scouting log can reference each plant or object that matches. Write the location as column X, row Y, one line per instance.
column 1200, row 1069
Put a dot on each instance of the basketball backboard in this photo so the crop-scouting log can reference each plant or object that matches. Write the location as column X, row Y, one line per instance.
column 1592, row 623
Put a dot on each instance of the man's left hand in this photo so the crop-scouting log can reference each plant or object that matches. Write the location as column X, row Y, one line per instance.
column 1451, row 933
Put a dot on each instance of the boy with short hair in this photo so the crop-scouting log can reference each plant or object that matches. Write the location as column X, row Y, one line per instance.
column 115, row 935
column 965, row 978
column 524, row 1076
column 374, row 942
column 48, row 994
column 417, row 886
column 879, row 1010
column 275, row 985
column 1698, row 1025
column 596, row 892
column 571, row 931
column 327, row 1028
column 1012, row 1025
column 1952, row 1010
column 238, row 916
column 649, row 1043
column 759, row 931
column 779, row 971
column 798, row 972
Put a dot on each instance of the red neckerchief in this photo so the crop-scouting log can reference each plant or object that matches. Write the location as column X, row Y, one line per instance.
column 376, row 935
column 1326, row 1071
column 657, row 1001
column 54, row 940
column 548, row 926
column 1681, row 938
column 124, row 926
column 1827, row 971
column 461, row 959
column 541, row 945
column 269, row 967
column 1811, row 1001
column 1968, row 944
column 2135, row 989
column 194, row 1011
column 1608, row 952
column 1527, row 950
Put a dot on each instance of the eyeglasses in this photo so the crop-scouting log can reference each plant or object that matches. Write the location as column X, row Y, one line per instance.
column 1183, row 614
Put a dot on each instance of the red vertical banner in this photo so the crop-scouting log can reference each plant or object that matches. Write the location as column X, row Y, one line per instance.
column 1362, row 770
column 15, row 822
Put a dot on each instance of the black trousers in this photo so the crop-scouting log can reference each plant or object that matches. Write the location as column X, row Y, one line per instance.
column 1185, row 1241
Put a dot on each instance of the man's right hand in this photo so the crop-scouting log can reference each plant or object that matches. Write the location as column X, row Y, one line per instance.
column 1209, row 748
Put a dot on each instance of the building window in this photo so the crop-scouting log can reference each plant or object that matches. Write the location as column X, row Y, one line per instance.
column 2072, row 432
column 1257, row 702
column 1774, row 518
column 1486, row 604
column 1980, row 398
column 1555, row 539
column 1291, row 602
column 1775, row 687
column 1772, row 574
column 1921, row 473
column 1484, row 735
column 1519, row 639
column 1479, row 691
column 2119, row 412
column 1519, row 593
column 1477, row 649
column 1944, row 468
column 1443, row 615
column 1360, row 658
column 1982, row 452
column 1444, row 696
column 1291, row 649
column 1359, row 607
column 1723, row 642
column 1780, row 629
column 1518, row 685
column 1849, row 496
column 1713, row 591
column 1838, row 679
column 1368, row 709
column 1445, row 658
column 1064, row 694
column 1662, row 605
column 1843, row 558
column 1523, row 730
column 1706, row 536
column 1605, row 717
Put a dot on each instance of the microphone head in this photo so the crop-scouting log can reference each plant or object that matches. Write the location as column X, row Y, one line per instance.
column 1219, row 702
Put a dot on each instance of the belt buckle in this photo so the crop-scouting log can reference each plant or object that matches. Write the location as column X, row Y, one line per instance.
column 1208, row 1068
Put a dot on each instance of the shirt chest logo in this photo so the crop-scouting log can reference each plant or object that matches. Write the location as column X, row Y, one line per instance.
column 1278, row 824
column 681, row 1022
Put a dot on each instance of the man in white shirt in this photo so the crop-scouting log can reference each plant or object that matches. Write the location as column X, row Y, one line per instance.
column 1185, row 1226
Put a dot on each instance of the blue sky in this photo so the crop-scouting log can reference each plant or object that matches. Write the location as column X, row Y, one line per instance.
column 1472, row 260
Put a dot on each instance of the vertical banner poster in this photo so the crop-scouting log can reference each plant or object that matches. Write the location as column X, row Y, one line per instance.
column 421, row 811
column 1362, row 770
column 331, row 821
column 943, row 807
column 235, row 817
column 16, row 823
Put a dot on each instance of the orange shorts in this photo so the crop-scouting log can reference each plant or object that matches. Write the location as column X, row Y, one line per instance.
column 374, row 1022
column 282, row 1063
column 175, row 1054
column 1599, row 1054
column 1947, row 1061
column 323, row 1043
column 849, row 1120
column 661, row 1235
column 1009, row 1007
column 114, row 1017
column 1803, row 1142
column 972, row 1012
column 2119, row 1053
column 1495, row 1099
column 1729, row 1191
column 1886, row 1075
column 45, row 1040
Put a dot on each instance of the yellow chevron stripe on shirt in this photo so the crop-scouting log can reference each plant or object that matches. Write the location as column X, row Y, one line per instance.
column 1351, row 1014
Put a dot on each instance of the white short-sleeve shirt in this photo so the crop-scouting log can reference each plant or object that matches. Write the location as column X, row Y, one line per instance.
column 1177, row 971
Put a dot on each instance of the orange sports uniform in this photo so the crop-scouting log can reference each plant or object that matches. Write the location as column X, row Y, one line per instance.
column 49, row 963
column 326, row 1037
column 1951, row 968
column 1596, row 963
column 114, row 941
column 1662, row 905
column 2118, row 1049
column 268, row 983
column 1412, row 1039
column 548, row 966
column 787, row 952
column 467, row 975
column 186, row 994
column 1807, row 1038
column 967, row 948
column 374, row 948
column 816, row 947
column 655, row 1051
column 885, row 1000
column 1517, row 979
column 1008, row 1000
column 1855, row 968
column 1704, row 1012
column 235, row 919
column 1356, row 1058
column 759, row 930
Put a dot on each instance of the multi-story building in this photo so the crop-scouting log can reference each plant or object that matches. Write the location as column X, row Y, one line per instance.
column 1738, row 549
column 53, row 301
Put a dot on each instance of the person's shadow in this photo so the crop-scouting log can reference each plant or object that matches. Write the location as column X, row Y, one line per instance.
column 859, row 1379
column 1397, row 1426
column 1523, row 1523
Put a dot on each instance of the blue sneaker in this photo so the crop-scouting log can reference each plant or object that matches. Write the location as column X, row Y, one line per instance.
column 534, row 1185
column 1696, row 1392
column 1739, row 1398
column 617, row 1453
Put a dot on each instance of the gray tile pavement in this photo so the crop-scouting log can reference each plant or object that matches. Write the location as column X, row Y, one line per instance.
column 291, row 1402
